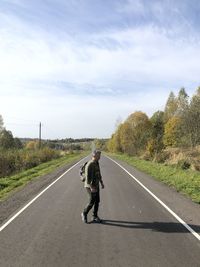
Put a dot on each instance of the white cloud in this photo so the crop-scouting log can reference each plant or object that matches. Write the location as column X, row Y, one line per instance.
column 44, row 78
column 142, row 52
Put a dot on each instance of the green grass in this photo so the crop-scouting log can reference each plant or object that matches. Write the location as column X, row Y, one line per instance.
column 9, row 184
column 184, row 181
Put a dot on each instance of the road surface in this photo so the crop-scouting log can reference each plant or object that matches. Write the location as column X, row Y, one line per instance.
column 136, row 230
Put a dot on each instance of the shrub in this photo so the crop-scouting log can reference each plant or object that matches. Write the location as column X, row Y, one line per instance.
column 8, row 163
column 13, row 161
column 30, row 160
column 47, row 154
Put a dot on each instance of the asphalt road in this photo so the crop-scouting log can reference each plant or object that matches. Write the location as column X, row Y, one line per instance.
column 136, row 230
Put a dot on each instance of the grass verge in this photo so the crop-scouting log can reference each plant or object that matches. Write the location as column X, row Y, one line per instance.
column 184, row 181
column 11, row 183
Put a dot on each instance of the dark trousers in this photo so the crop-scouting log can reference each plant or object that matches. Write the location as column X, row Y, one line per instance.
column 94, row 199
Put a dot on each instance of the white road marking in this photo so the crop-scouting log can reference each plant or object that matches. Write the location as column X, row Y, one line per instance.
column 34, row 199
column 161, row 202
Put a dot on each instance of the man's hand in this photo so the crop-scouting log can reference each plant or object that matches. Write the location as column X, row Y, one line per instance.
column 102, row 185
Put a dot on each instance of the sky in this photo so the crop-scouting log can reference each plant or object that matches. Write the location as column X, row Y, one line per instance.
column 81, row 66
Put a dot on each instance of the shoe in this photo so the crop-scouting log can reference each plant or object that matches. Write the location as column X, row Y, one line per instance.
column 84, row 217
column 96, row 219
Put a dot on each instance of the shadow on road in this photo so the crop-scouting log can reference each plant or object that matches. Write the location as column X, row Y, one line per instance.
column 167, row 227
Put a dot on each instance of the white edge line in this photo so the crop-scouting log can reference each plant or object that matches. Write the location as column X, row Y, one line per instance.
column 160, row 201
column 42, row 192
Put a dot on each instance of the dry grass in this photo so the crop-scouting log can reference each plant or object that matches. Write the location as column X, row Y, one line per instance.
column 185, row 158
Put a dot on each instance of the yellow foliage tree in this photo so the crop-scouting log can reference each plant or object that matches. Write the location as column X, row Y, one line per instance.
column 127, row 138
column 131, row 136
column 140, row 130
column 172, row 132
column 110, row 144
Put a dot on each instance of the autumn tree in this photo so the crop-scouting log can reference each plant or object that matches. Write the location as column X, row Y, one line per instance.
column 182, row 111
column 172, row 132
column 176, row 112
column 182, row 102
column 127, row 139
column 193, row 120
column 139, row 131
column 131, row 136
column 110, row 144
column 155, row 143
column 170, row 107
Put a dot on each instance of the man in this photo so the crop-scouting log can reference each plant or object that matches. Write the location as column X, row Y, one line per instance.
column 93, row 178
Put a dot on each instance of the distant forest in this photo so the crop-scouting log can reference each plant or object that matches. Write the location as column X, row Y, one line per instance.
column 65, row 140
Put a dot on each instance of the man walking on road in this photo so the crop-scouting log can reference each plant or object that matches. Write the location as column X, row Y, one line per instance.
column 93, row 178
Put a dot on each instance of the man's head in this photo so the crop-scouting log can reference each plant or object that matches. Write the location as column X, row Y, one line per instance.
column 96, row 154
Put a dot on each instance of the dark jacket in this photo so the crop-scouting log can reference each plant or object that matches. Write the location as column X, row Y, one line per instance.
column 93, row 174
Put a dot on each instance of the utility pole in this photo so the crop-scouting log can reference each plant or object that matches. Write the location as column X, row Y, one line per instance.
column 40, row 133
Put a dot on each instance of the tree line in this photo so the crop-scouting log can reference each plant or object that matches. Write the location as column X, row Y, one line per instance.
column 16, row 156
column 177, row 126
column 7, row 141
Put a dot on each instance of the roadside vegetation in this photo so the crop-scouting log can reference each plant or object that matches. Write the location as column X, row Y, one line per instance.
column 10, row 183
column 165, row 145
column 22, row 160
